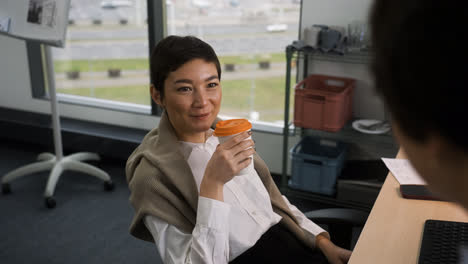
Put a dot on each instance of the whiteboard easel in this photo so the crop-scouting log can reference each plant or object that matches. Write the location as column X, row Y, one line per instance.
column 45, row 21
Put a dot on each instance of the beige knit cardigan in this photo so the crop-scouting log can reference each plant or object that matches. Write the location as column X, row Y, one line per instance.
column 161, row 184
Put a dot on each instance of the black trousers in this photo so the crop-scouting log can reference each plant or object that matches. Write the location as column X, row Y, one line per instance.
column 279, row 245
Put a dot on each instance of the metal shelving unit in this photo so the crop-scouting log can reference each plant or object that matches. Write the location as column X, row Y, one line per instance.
column 347, row 134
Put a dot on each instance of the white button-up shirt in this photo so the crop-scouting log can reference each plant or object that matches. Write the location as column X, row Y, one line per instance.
column 224, row 230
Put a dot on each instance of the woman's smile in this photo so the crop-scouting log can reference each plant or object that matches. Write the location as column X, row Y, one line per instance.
column 201, row 116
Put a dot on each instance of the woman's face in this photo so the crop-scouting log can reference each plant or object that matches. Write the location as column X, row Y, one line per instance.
column 192, row 98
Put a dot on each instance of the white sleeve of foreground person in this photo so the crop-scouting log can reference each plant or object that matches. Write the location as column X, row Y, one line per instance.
column 208, row 243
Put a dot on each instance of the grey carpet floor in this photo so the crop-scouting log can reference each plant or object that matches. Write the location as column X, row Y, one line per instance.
column 89, row 225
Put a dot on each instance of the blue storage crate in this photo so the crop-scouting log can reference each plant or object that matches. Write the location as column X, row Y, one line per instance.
column 316, row 164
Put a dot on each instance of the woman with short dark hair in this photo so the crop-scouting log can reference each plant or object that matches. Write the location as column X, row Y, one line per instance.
column 185, row 187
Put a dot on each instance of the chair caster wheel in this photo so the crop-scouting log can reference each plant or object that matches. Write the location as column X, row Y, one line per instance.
column 6, row 188
column 50, row 202
column 109, row 186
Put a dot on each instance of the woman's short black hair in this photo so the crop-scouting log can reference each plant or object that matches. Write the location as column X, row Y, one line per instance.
column 174, row 51
column 420, row 65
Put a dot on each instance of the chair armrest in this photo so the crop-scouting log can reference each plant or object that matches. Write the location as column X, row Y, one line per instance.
column 338, row 216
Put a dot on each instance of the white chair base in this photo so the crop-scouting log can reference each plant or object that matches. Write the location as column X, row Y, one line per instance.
column 48, row 161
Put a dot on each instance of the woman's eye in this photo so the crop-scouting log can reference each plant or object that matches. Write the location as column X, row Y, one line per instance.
column 183, row 89
column 212, row 85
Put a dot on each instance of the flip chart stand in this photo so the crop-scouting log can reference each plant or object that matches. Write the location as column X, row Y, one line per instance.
column 56, row 163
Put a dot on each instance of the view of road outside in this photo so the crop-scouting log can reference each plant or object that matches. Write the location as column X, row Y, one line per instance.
column 106, row 53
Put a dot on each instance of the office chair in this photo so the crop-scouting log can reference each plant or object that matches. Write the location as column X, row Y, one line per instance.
column 340, row 222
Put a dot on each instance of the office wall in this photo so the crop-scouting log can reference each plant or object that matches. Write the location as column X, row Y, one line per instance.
column 15, row 93
column 366, row 104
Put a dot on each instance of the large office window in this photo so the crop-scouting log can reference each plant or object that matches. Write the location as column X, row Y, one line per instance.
column 106, row 53
column 250, row 38
column 107, row 49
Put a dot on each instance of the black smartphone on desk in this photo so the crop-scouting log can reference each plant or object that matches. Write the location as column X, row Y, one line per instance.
column 413, row 191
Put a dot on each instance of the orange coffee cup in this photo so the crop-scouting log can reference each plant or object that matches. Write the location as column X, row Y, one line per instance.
column 226, row 129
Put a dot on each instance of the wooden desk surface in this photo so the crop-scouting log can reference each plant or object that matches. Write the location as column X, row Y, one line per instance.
column 393, row 231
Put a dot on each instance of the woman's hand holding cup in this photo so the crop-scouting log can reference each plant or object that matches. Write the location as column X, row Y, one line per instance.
column 232, row 156
column 229, row 158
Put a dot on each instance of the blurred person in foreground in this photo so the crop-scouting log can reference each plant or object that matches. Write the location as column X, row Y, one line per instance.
column 420, row 69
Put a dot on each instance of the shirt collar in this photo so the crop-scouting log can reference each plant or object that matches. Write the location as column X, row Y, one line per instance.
column 210, row 145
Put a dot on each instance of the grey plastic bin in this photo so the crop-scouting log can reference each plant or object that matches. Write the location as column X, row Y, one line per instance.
column 316, row 164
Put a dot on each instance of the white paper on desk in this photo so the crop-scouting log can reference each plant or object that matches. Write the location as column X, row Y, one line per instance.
column 403, row 171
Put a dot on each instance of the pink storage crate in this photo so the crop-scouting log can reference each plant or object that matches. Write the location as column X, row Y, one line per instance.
column 323, row 102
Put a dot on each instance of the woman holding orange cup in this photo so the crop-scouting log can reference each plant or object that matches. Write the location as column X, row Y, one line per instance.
column 225, row 130
column 193, row 192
